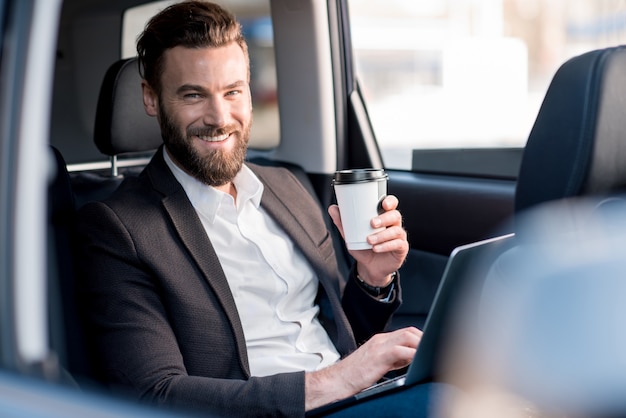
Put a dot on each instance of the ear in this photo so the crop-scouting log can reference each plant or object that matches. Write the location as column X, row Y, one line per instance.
column 150, row 99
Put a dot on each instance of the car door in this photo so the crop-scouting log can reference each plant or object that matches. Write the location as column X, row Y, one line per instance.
column 29, row 31
column 445, row 202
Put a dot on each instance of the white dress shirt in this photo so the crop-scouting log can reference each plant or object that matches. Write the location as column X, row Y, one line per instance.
column 273, row 285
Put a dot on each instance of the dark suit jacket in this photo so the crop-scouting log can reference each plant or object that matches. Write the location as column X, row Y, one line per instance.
column 159, row 313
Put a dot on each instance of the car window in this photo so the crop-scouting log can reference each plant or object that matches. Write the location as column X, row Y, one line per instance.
column 254, row 16
column 442, row 74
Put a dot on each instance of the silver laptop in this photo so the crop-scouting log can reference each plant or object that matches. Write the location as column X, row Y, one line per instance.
column 464, row 262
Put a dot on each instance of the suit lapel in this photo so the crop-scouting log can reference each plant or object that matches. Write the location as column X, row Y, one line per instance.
column 186, row 222
column 300, row 218
column 296, row 216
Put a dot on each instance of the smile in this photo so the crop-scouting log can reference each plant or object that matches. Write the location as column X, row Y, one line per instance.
column 214, row 138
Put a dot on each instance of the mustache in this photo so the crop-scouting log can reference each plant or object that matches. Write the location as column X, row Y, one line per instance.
column 208, row 131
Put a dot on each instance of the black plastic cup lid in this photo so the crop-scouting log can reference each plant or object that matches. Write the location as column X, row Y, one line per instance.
column 361, row 175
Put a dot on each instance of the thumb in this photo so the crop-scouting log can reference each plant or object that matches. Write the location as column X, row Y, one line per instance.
column 333, row 211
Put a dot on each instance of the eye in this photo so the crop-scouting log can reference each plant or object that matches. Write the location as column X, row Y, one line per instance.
column 192, row 96
column 233, row 92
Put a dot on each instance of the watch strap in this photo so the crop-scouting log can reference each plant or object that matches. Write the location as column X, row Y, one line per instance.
column 383, row 293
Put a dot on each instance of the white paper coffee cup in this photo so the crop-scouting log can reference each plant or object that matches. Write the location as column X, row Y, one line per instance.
column 359, row 193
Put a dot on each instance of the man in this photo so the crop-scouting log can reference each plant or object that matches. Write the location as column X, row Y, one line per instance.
column 212, row 283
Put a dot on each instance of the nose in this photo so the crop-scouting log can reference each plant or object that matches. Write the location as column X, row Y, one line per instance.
column 215, row 112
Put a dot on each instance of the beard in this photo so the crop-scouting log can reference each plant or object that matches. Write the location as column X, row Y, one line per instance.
column 213, row 167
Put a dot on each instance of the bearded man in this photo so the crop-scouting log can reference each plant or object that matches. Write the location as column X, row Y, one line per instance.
column 212, row 283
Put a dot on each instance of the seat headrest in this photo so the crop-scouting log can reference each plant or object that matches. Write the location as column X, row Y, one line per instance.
column 122, row 124
column 577, row 145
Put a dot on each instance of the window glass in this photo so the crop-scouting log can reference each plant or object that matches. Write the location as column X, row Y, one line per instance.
column 254, row 16
column 468, row 73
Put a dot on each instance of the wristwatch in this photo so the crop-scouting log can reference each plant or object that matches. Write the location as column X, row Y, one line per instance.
column 383, row 294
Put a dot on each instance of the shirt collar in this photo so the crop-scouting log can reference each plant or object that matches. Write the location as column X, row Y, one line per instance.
column 207, row 200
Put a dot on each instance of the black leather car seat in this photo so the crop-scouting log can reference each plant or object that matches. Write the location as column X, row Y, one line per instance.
column 577, row 146
column 66, row 336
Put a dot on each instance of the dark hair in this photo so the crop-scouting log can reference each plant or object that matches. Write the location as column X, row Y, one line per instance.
column 191, row 24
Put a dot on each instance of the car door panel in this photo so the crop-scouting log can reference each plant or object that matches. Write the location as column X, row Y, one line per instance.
column 443, row 212
column 440, row 213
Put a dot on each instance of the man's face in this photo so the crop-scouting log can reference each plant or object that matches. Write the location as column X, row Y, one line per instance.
column 204, row 110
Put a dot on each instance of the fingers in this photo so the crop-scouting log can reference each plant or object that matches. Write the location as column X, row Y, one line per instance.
column 365, row 366
column 387, row 219
column 405, row 337
column 404, row 345
column 391, row 216
column 393, row 237
column 390, row 202
column 396, row 342
column 333, row 211
column 404, row 357
column 389, row 240
column 392, row 350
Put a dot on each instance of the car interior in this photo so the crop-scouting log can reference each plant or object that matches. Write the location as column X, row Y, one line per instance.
column 311, row 116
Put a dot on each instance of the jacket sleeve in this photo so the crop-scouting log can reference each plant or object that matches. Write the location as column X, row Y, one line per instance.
column 128, row 325
column 367, row 315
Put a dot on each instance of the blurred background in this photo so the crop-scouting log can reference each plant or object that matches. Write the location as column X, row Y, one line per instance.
column 468, row 73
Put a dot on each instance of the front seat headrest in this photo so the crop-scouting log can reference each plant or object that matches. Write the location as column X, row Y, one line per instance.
column 577, row 145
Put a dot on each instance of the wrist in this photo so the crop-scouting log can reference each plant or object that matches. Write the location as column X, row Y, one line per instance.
column 382, row 293
column 327, row 385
